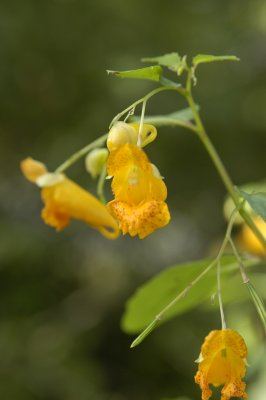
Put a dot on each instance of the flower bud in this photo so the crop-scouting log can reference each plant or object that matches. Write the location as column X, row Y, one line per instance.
column 95, row 161
column 121, row 133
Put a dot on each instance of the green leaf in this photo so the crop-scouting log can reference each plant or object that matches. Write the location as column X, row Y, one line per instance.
column 167, row 82
column 251, row 187
column 153, row 73
column 181, row 118
column 151, row 298
column 257, row 201
column 167, row 60
column 173, row 61
column 206, row 58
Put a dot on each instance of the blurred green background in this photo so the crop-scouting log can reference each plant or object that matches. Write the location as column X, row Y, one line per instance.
column 62, row 295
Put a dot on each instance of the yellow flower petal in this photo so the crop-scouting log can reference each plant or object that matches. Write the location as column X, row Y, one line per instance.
column 140, row 220
column 133, row 185
column 135, row 178
column 64, row 199
column 126, row 156
column 222, row 362
column 32, row 169
column 67, row 200
column 250, row 242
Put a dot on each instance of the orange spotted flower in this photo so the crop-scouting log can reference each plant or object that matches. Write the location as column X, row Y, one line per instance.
column 64, row 199
column 139, row 191
column 222, row 361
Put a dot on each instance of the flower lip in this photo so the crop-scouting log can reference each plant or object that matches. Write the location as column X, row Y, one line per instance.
column 142, row 219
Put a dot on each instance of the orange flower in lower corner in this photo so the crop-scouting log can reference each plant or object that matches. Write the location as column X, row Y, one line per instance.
column 64, row 199
column 139, row 191
column 222, row 361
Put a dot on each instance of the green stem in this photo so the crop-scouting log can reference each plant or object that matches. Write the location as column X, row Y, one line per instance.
column 76, row 156
column 139, row 142
column 145, row 99
column 256, row 298
column 100, row 141
column 159, row 121
column 240, row 263
column 220, row 294
column 212, row 151
column 100, row 185
column 185, row 291
column 205, row 271
column 220, row 166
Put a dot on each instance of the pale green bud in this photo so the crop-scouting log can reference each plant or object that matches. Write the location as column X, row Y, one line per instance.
column 95, row 161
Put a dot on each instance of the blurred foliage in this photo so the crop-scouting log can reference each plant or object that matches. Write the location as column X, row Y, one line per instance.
column 62, row 295
column 154, row 296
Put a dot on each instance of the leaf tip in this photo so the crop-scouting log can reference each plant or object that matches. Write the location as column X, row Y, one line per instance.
column 133, row 344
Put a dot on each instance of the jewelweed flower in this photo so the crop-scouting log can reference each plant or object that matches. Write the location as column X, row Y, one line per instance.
column 222, row 361
column 139, row 191
column 249, row 242
column 64, row 199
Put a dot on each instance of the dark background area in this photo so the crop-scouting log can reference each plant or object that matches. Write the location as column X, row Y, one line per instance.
column 62, row 295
